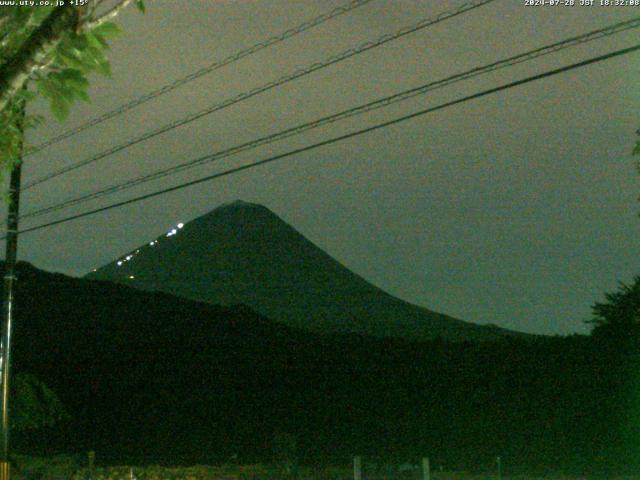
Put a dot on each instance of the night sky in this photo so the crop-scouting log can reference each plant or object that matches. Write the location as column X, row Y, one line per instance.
column 518, row 209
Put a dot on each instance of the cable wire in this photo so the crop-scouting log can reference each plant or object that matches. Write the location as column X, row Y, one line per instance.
column 276, row 83
column 333, row 140
column 383, row 102
column 292, row 32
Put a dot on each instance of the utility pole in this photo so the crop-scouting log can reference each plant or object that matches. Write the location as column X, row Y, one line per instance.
column 11, row 253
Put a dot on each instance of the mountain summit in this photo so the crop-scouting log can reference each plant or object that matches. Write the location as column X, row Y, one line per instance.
column 243, row 253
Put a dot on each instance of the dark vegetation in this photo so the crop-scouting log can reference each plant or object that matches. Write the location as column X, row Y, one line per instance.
column 151, row 378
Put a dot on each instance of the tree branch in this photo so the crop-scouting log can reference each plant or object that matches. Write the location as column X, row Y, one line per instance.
column 108, row 15
column 15, row 71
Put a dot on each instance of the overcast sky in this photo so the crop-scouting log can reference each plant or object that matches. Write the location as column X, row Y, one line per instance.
column 518, row 209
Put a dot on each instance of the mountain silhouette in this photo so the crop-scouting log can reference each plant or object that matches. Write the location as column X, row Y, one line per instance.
column 243, row 253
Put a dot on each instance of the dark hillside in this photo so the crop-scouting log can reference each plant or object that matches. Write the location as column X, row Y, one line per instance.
column 151, row 378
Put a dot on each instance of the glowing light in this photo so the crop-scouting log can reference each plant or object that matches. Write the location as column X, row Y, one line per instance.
column 152, row 244
column 131, row 277
column 174, row 231
column 119, row 262
column 180, row 225
column 129, row 257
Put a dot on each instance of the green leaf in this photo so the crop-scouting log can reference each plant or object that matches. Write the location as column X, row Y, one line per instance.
column 47, row 88
column 70, row 75
column 70, row 84
column 88, row 58
column 78, row 84
column 96, row 53
column 104, row 68
column 140, row 5
column 83, row 95
column 59, row 108
column 97, row 41
column 66, row 58
column 60, row 95
column 636, row 150
column 107, row 29
column 24, row 95
column 78, row 41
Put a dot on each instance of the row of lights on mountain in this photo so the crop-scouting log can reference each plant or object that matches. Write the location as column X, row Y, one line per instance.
column 129, row 257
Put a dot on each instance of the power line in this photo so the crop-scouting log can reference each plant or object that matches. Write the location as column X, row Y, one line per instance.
column 330, row 141
column 384, row 102
column 292, row 32
column 282, row 80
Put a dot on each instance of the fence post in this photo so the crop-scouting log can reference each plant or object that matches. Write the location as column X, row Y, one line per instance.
column 92, row 459
column 426, row 469
column 357, row 467
column 499, row 466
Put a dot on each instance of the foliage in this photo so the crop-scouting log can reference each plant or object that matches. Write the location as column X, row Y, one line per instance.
column 34, row 405
column 619, row 316
column 77, row 55
column 60, row 76
column 12, row 123
column 17, row 24
column 58, row 467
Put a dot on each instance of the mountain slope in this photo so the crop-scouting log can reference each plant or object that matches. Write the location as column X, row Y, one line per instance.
column 146, row 373
column 242, row 253
column 152, row 378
